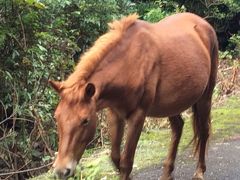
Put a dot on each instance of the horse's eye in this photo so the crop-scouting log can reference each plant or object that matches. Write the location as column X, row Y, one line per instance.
column 85, row 122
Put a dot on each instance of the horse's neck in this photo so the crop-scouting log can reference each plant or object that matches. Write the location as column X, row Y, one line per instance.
column 122, row 72
column 109, row 79
column 108, row 76
column 110, row 68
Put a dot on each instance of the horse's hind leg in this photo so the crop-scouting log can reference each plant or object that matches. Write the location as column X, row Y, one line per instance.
column 176, row 123
column 202, row 127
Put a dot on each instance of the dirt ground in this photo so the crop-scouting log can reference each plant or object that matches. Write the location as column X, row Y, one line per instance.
column 223, row 163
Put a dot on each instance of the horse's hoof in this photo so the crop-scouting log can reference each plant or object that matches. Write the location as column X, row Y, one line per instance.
column 166, row 178
column 198, row 176
column 125, row 178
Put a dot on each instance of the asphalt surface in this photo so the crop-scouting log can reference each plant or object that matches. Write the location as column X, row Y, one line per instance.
column 223, row 163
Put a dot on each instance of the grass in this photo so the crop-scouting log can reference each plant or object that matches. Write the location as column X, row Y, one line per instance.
column 153, row 144
column 226, row 119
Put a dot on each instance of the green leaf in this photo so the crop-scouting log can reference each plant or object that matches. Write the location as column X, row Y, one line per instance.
column 36, row 4
column 42, row 48
column 46, row 158
column 40, row 5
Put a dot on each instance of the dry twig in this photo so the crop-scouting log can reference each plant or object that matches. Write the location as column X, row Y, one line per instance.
column 26, row 170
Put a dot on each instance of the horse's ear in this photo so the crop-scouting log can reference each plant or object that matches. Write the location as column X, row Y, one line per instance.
column 56, row 85
column 89, row 90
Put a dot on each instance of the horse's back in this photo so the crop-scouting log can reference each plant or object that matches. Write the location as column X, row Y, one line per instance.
column 185, row 42
column 179, row 24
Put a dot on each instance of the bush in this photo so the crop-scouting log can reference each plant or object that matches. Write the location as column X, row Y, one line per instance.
column 224, row 15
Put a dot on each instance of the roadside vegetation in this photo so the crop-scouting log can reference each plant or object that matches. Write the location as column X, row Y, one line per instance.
column 43, row 39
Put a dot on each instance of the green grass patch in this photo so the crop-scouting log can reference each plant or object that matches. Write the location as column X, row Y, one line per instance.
column 226, row 119
column 153, row 144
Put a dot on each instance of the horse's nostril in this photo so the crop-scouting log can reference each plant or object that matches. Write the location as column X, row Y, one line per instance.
column 67, row 172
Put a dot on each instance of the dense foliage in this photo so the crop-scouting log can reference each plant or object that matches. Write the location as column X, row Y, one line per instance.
column 41, row 40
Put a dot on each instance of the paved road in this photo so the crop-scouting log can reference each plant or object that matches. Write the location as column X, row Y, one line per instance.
column 223, row 163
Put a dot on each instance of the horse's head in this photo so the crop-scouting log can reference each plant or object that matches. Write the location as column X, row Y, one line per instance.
column 76, row 124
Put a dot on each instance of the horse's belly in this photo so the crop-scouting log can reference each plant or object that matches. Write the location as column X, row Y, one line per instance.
column 172, row 99
column 168, row 109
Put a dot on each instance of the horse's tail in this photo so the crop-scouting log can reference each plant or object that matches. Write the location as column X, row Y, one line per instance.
column 202, row 109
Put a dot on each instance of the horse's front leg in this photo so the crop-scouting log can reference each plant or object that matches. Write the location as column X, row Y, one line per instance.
column 116, row 127
column 135, row 124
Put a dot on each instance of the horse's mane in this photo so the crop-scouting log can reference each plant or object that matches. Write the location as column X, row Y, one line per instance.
column 89, row 61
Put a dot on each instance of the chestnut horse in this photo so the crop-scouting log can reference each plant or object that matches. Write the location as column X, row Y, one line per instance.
column 139, row 69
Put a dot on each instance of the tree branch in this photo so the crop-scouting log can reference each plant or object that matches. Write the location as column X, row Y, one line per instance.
column 23, row 32
column 26, row 170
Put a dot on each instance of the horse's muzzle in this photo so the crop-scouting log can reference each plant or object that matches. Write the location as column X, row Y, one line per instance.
column 63, row 173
